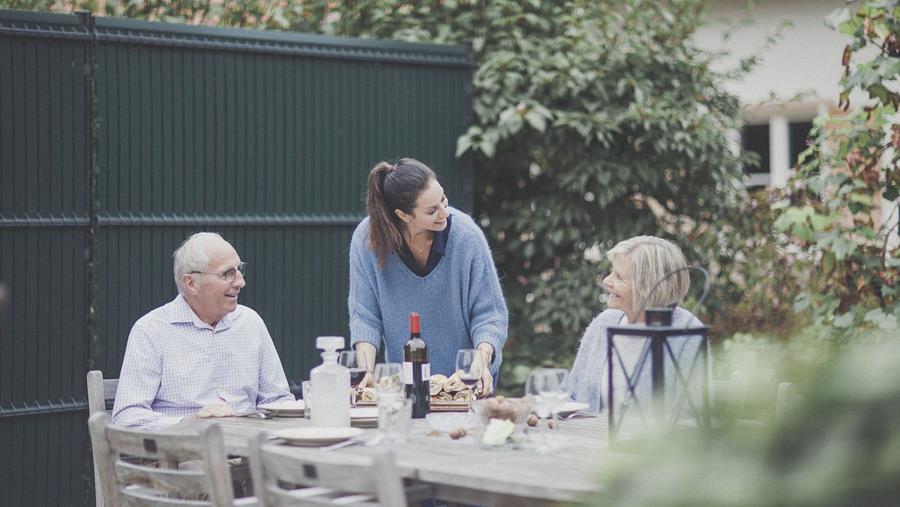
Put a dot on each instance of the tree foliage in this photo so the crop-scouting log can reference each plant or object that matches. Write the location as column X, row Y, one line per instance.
column 594, row 121
column 852, row 162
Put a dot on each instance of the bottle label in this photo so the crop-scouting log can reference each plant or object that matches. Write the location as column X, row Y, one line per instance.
column 407, row 373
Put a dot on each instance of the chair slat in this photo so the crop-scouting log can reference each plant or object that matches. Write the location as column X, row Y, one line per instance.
column 141, row 497
column 191, row 482
column 143, row 483
column 324, row 478
column 151, row 445
column 327, row 470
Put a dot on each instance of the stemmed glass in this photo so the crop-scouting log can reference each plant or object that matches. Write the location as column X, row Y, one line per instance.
column 357, row 373
column 388, row 379
column 394, row 410
column 469, row 367
column 546, row 388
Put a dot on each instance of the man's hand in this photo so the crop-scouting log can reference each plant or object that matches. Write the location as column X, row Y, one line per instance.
column 216, row 409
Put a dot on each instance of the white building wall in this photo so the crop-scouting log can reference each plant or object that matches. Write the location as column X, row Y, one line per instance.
column 805, row 59
column 797, row 78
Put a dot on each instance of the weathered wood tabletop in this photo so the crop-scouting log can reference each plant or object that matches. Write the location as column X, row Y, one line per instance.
column 461, row 470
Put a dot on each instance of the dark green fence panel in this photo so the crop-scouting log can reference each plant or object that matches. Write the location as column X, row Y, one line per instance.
column 265, row 137
column 43, row 219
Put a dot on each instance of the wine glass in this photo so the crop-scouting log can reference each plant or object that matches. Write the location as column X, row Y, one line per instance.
column 469, row 367
column 348, row 359
column 546, row 388
column 388, row 379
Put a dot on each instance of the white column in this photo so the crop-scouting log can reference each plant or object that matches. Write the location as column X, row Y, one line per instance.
column 779, row 151
column 889, row 208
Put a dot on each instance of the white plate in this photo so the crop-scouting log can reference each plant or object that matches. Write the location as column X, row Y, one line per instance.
column 315, row 436
column 570, row 407
column 285, row 407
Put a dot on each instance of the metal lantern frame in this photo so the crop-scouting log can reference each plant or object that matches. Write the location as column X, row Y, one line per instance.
column 660, row 346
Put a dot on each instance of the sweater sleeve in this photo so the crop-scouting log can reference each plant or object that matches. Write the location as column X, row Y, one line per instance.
column 584, row 382
column 365, row 314
column 487, row 308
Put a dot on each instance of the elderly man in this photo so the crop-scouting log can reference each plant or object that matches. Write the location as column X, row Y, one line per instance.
column 202, row 354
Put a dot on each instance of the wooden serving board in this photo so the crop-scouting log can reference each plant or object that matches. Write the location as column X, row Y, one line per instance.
column 436, row 406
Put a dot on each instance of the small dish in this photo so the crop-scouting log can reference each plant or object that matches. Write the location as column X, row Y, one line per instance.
column 571, row 407
column 516, row 410
column 284, row 408
column 311, row 436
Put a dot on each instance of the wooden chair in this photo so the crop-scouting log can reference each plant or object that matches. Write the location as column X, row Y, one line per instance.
column 785, row 400
column 289, row 477
column 730, row 396
column 138, row 481
column 100, row 394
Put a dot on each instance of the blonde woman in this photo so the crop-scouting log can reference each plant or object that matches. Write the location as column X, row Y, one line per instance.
column 637, row 264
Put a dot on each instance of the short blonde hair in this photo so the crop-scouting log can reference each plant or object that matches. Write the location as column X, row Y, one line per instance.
column 651, row 259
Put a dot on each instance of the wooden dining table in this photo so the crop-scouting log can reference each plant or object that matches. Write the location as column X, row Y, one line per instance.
column 462, row 470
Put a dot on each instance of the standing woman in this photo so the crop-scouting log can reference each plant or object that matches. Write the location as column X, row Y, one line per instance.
column 414, row 253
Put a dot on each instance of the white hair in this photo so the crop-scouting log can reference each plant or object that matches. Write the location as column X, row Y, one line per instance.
column 651, row 259
column 193, row 255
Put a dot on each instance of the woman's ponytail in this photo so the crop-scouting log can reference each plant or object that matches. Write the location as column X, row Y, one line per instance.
column 393, row 187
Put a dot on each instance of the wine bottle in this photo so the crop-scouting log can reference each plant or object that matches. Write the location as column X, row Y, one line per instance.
column 416, row 369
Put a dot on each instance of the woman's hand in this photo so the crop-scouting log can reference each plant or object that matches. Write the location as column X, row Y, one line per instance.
column 487, row 384
column 365, row 357
column 487, row 380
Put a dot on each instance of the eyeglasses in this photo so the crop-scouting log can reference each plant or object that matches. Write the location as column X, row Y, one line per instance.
column 229, row 275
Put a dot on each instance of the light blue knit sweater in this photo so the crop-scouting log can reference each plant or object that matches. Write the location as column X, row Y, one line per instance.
column 460, row 301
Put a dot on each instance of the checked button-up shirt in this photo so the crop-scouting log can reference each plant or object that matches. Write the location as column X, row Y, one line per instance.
column 175, row 364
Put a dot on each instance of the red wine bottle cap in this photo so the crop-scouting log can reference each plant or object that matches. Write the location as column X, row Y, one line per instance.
column 414, row 327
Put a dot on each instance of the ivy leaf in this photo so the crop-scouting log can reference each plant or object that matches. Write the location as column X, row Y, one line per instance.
column 463, row 144
column 837, row 18
column 842, row 248
column 828, row 263
column 510, row 120
column 844, row 321
column 882, row 320
column 820, row 222
column 536, row 120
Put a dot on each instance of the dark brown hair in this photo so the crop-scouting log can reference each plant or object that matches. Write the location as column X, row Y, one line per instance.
column 393, row 187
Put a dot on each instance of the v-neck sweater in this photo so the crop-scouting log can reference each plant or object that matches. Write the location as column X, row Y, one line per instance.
column 460, row 301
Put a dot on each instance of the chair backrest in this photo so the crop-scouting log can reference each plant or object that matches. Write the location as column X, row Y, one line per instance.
column 785, row 400
column 730, row 396
column 100, row 392
column 127, row 461
column 323, row 478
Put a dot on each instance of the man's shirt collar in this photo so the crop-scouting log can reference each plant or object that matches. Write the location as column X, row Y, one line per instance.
column 180, row 312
